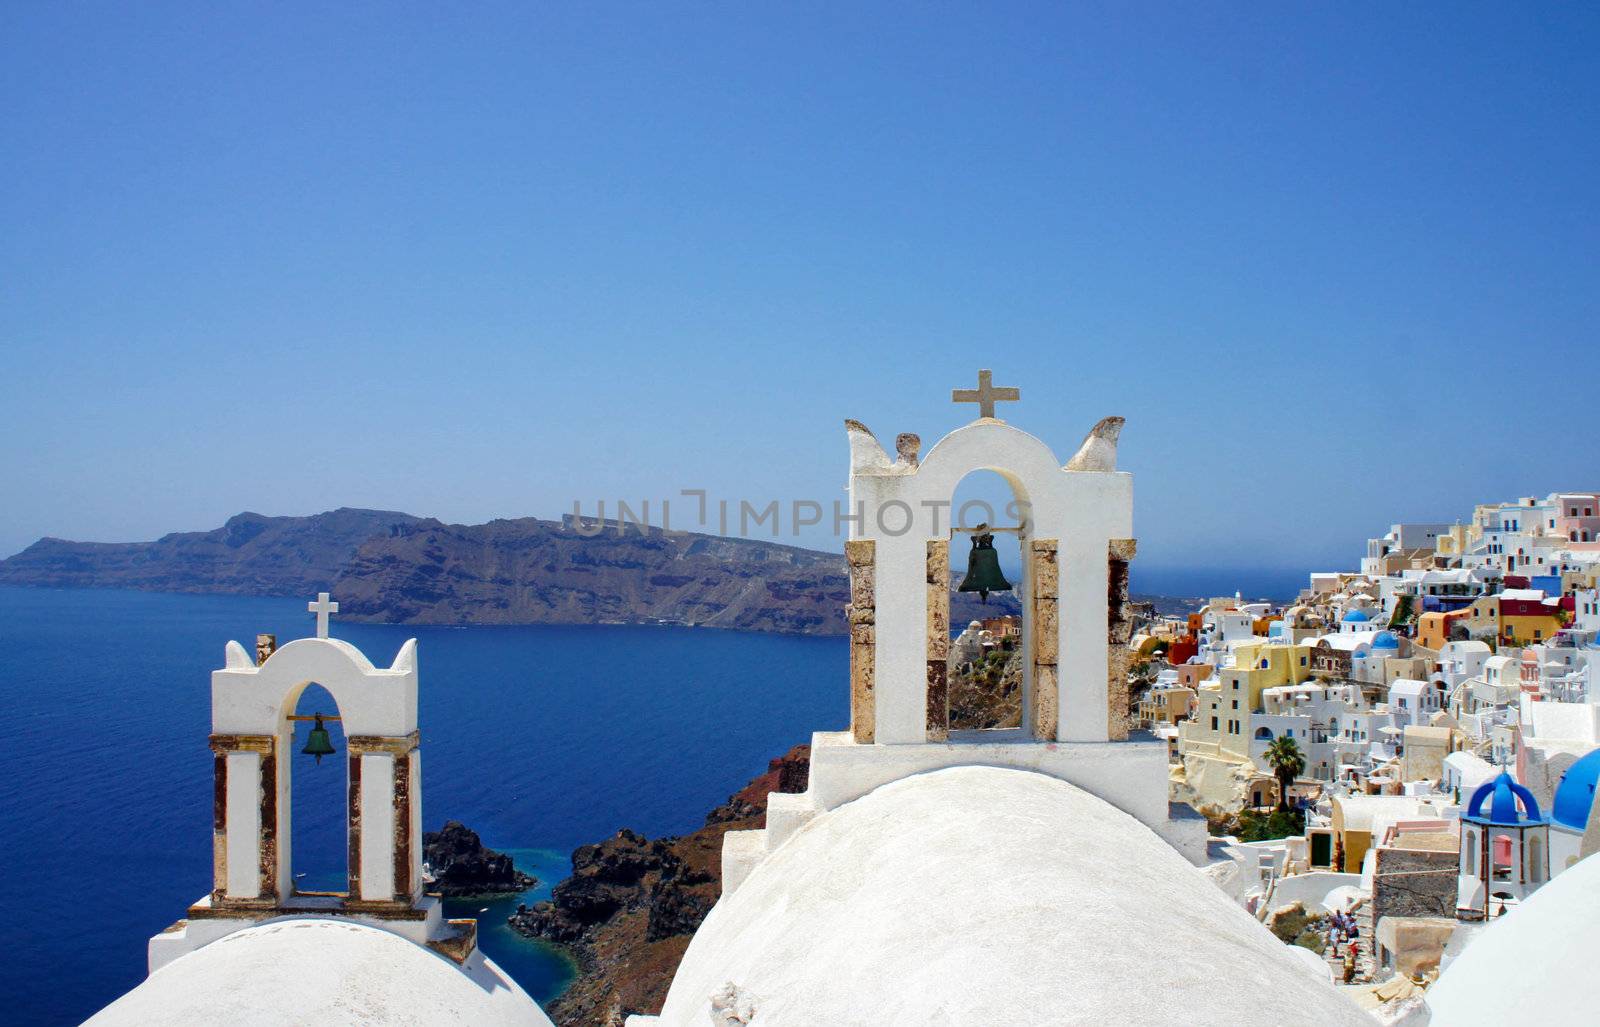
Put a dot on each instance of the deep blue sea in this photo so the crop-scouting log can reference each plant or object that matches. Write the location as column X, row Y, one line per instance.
column 540, row 738
column 1279, row 584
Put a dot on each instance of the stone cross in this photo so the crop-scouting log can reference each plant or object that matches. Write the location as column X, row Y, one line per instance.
column 322, row 608
column 985, row 395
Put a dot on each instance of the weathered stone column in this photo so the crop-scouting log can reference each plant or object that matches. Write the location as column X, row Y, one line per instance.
column 269, row 870
column 1118, row 631
column 384, row 854
column 353, row 823
column 1045, row 577
column 406, row 880
column 244, row 820
column 219, row 822
column 860, row 556
column 938, row 640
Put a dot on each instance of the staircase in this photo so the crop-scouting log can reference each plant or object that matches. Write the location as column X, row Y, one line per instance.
column 1366, row 963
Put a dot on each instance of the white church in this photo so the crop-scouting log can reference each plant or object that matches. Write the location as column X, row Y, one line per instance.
column 927, row 875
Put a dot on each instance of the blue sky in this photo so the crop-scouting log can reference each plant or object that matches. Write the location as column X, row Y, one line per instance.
column 1336, row 264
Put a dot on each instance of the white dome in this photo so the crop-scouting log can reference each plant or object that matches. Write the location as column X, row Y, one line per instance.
column 977, row 895
column 1532, row 965
column 324, row 973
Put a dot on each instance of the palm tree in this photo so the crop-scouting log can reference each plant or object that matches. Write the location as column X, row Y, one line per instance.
column 1284, row 757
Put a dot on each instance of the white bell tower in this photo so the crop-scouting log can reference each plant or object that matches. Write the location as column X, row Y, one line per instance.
column 252, row 734
column 1075, row 526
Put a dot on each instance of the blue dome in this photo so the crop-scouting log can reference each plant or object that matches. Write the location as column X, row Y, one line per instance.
column 1385, row 640
column 1575, row 793
column 1505, row 793
column 1356, row 616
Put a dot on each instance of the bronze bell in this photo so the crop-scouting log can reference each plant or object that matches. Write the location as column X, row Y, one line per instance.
column 318, row 743
column 983, row 569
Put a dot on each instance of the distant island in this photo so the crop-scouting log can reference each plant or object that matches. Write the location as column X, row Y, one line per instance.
column 389, row 567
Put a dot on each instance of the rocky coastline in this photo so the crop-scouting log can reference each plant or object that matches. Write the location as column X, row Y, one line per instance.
column 458, row 864
column 632, row 903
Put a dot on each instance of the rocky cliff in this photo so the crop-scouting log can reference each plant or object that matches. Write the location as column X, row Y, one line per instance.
column 249, row 555
column 458, row 863
column 631, row 905
column 986, row 693
column 396, row 568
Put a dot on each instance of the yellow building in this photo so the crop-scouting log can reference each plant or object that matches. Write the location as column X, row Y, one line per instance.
column 1357, row 819
column 1144, row 646
column 1457, row 540
column 1165, row 705
column 1524, row 621
column 1482, row 618
column 1262, row 626
column 1221, row 725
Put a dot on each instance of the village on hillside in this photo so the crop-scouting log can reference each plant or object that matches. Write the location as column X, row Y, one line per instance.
column 1404, row 752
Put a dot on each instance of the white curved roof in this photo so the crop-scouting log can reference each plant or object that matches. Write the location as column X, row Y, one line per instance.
column 1362, row 812
column 979, row 895
column 323, row 972
column 1532, row 965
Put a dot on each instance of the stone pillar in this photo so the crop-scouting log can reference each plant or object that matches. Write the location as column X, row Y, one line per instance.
column 1118, row 631
column 938, row 640
column 860, row 556
column 244, row 825
column 1044, row 574
column 405, row 881
column 269, row 828
column 385, row 844
column 353, row 823
column 219, row 823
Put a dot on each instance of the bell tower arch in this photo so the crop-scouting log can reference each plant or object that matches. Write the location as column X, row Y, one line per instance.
column 1075, row 526
column 252, row 707
column 253, row 715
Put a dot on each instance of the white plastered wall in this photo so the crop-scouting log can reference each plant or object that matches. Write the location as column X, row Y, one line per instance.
column 243, row 823
column 251, row 700
column 377, row 810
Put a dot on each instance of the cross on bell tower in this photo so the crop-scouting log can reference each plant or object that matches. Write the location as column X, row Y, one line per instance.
column 986, row 394
column 322, row 608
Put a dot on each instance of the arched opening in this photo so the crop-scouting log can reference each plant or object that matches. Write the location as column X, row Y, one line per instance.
column 1263, row 734
column 989, row 673
column 1502, row 858
column 318, row 842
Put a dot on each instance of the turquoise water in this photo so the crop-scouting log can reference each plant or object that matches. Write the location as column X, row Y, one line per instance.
column 542, row 970
column 540, row 738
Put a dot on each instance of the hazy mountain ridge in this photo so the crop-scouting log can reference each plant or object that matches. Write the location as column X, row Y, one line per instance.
column 249, row 555
column 397, row 568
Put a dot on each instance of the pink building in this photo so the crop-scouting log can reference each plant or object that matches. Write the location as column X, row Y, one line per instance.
column 1577, row 516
